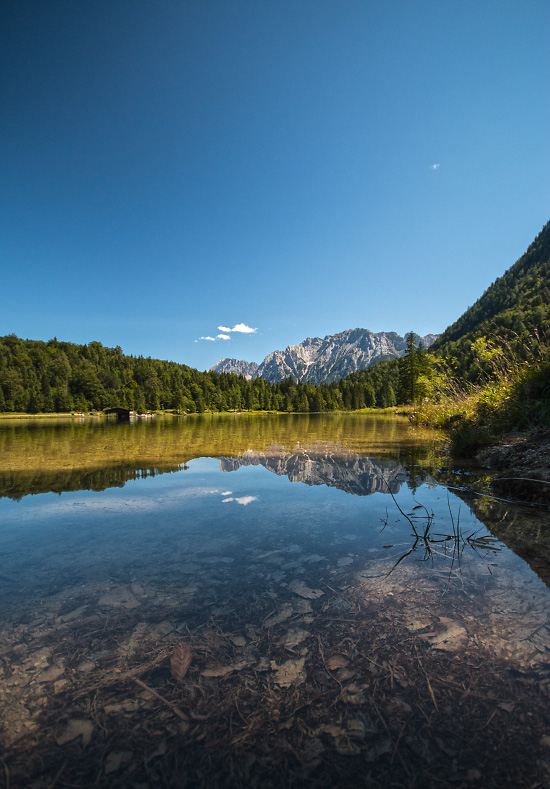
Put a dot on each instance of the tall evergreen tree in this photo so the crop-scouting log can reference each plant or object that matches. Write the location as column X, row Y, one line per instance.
column 409, row 370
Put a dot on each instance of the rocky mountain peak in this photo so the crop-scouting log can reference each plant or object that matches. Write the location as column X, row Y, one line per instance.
column 324, row 360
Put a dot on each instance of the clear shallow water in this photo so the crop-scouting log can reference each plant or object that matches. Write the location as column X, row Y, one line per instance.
column 251, row 539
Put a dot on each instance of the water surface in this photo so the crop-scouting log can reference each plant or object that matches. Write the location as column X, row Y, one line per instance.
column 348, row 613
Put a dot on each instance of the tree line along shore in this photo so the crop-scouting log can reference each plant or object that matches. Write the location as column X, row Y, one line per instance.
column 505, row 387
column 488, row 374
column 54, row 376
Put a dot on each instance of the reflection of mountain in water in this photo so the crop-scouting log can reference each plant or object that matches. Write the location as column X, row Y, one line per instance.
column 355, row 453
column 346, row 471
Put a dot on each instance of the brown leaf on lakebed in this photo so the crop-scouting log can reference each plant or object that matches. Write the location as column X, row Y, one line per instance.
column 180, row 661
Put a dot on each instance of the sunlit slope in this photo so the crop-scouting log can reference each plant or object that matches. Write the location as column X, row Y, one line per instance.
column 516, row 307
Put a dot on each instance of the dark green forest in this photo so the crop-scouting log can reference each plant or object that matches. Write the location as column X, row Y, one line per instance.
column 55, row 376
column 515, row 309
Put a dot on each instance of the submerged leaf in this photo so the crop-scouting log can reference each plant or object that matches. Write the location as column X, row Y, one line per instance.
column 285, row 612
column 292, row 672
column 76, row 728
column 299, row 588
column 181, row 660
column 337, row 661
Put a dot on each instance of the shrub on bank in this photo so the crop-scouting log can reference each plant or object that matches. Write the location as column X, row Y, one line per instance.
column 513, row 395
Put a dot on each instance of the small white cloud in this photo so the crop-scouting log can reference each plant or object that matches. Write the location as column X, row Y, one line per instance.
column 435, row 166
column 239, row 327
column 226, row 331
column 226, row 492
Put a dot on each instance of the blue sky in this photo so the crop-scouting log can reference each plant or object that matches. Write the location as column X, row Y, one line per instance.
column 296, row 167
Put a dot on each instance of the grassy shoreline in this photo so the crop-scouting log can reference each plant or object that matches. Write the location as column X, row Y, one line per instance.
column 481, row 416
column 39, row 416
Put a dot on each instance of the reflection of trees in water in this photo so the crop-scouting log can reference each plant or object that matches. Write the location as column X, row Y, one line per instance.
column 15, row 486
column 355, row 474
column 419, row 464
column 63, row 456
column 522, row 528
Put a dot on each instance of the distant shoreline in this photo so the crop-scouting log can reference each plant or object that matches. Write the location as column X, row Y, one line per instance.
column 39, row 416
column 396, row 410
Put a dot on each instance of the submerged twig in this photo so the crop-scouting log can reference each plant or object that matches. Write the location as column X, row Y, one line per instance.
column 57, row 775
column 432, row 695
column 122, row 676
column 175, row 710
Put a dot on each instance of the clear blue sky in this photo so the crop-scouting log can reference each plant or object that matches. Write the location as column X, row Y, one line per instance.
column 299, row 167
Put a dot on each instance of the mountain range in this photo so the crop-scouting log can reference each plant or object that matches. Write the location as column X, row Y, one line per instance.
column 319, row 360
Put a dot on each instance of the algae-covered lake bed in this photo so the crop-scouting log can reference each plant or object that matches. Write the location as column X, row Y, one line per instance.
column 271, row 601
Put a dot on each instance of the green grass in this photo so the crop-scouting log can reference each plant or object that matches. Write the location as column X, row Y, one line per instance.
column 515, row 396
column 11, row 415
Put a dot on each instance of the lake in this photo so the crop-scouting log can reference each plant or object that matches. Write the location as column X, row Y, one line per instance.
column 265, row 600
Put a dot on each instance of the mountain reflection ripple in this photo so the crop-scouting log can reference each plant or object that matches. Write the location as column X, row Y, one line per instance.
column 357, row 474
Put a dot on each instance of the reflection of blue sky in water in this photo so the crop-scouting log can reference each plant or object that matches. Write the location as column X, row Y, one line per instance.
column 161, row 524
column 189, row 535
column 173, row 514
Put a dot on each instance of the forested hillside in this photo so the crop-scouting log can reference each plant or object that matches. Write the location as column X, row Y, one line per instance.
column 515, row 308
column 382, row 380
column 56, row 376
column 513, row 316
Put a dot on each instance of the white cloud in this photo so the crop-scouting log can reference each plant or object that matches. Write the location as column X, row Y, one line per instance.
column 435, row 166
column 242, row 328
column 239, row 327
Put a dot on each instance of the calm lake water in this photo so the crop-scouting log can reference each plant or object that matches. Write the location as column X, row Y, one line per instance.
column 351, row 611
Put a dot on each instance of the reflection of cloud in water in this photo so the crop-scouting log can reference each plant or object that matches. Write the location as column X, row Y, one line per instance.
column 244, row 500
column 125, row 505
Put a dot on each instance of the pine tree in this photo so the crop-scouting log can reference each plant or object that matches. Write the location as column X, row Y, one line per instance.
column 409, row 369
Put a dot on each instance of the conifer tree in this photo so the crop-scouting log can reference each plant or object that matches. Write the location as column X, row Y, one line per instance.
column 409, row 369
